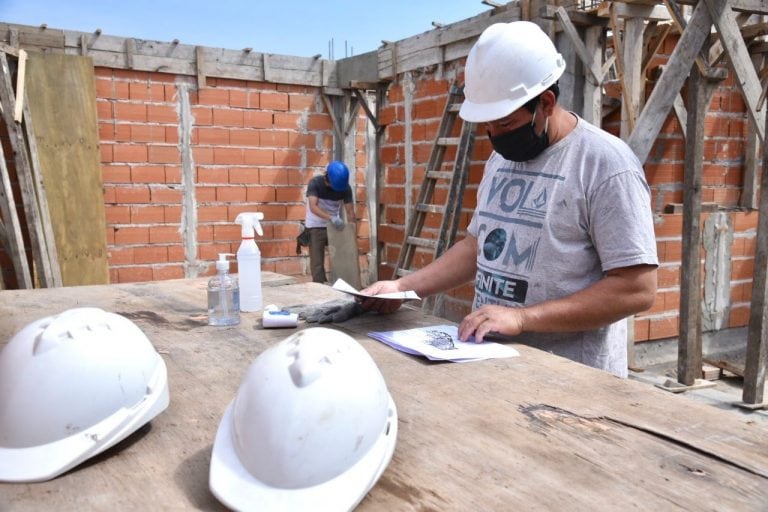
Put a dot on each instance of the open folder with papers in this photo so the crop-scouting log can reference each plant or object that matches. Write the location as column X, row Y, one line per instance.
column 441, row 343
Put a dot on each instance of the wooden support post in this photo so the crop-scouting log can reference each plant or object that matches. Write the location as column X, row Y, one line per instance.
column 264, row 67
column 336, row 122
column 593, row 91
column 627, row 121
column 130, row 49
column 364, row 102
column 676, row 14
column 633, row 60
column 682, row 114
column 374, row 182
column 21, row 71
column 757, row 344
column 587, row 57
column 746, row 77
column 660, row 37
column 50, row 253
column 353, row 109
column 200, row 66
column 751, row 181
column 689, row 362
column 657, row 107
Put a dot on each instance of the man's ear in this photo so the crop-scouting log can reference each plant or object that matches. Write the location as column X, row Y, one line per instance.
column 547, row 101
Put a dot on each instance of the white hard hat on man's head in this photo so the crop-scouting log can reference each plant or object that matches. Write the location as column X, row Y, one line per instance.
column 71, row 386
column 312, row 427
column 509, row 65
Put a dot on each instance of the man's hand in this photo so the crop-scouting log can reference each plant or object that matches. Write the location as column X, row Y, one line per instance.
column 337, row 222
column 491, row 319
column 381, row 305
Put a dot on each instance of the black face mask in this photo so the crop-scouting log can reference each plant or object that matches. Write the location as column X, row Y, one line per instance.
column 521, row 144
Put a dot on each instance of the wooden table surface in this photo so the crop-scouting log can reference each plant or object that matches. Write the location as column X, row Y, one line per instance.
column 535, row 432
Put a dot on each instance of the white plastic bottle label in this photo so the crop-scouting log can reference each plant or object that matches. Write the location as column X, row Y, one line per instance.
column 249, row 270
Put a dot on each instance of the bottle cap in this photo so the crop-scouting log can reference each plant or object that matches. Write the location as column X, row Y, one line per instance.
column 223, row 263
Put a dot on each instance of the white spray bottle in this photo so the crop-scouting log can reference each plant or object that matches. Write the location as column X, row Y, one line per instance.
column 249, row 262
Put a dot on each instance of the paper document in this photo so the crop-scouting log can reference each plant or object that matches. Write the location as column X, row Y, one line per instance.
column 343, row 286
column 441, row 343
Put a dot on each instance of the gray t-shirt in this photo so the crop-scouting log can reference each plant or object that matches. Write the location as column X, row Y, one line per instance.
column 554, row 225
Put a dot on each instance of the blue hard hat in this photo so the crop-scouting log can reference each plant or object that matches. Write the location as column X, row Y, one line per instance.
column 338, row 176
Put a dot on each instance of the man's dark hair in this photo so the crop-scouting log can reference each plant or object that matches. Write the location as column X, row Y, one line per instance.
column 531, row 105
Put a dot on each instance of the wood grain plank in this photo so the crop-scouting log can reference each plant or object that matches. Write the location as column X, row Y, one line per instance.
column 61, row 89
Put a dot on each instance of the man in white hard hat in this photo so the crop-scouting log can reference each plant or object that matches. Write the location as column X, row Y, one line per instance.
column 561, row 246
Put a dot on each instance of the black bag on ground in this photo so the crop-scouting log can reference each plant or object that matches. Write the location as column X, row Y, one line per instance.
column 303, row 239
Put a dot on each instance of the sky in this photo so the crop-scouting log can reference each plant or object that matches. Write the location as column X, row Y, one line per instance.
column 300, row 28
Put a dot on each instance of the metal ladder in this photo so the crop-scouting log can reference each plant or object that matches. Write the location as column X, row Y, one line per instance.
column 453, row 180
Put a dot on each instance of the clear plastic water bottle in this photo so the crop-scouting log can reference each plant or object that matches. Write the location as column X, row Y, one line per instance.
column 223, row 295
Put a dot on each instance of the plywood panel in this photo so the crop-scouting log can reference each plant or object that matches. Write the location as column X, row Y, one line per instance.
column 62, row 100
column 342, row 248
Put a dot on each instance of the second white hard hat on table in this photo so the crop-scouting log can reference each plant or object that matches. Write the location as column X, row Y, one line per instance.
column 312, row 427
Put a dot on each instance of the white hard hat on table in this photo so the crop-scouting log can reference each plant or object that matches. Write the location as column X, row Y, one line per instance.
column 71, row 386
column 312, row 427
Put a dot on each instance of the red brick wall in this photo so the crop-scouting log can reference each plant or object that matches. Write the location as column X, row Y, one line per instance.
column 254, row 145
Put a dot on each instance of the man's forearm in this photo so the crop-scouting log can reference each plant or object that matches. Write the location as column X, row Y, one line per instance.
column 319, row 212
column 616, row 296
column 455, row 267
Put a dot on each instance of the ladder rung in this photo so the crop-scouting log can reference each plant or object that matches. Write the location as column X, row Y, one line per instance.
column 430, row 208
column 454, row 179
column 422, row 242
column 439, row 175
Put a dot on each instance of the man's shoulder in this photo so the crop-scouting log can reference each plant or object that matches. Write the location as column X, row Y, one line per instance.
column 601, row 143
column 316, row 180
column 590, row 131
column 316, row 185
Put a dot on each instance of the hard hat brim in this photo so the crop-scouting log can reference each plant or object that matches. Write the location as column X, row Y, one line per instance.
column 475, row 112
column 237, row 488
column 47, row 461
column 486, row 112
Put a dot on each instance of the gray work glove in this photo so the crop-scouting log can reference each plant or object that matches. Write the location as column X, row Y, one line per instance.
column 333, row 311
column 337, row 222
